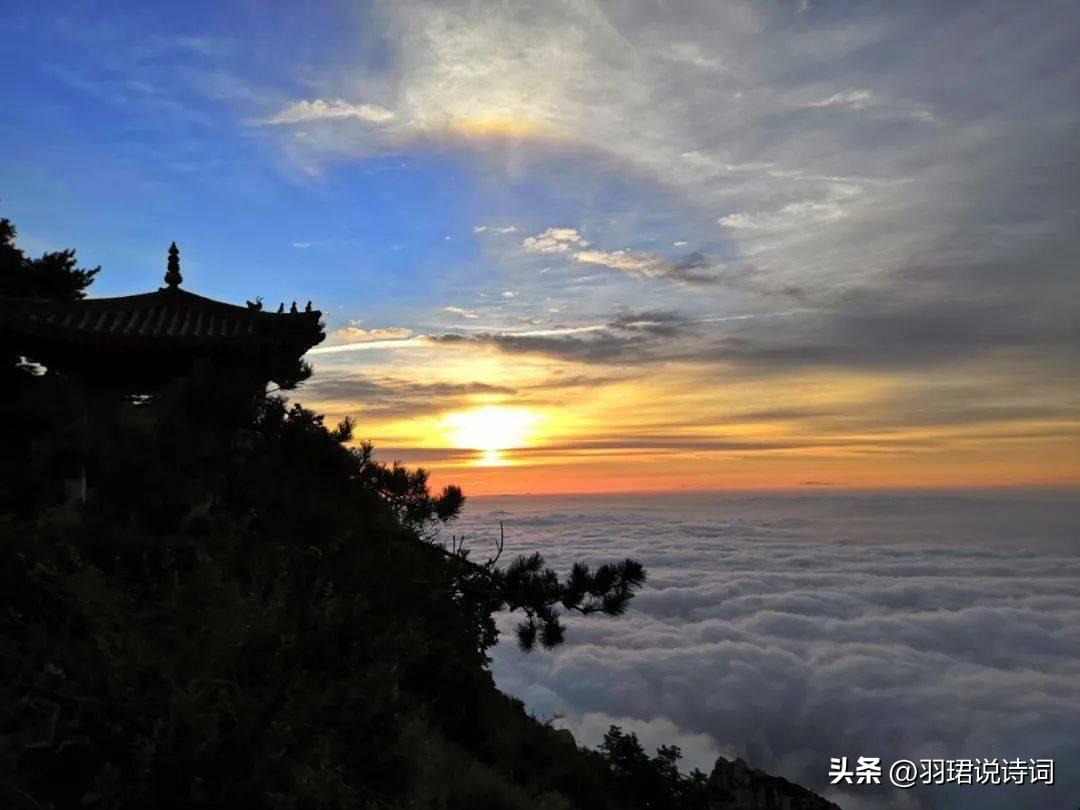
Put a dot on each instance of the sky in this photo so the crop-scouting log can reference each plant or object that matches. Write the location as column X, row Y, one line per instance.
column 582, row 246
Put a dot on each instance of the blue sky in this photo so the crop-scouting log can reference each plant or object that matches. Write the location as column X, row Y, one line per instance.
column 697, row 232
column 145, row 124
column 128, row 130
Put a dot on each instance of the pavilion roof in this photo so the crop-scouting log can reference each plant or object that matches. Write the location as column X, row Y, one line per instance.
column 169, row 315
column 155, row 333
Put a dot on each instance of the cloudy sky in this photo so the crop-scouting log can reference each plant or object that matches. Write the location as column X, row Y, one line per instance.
column 574, row 246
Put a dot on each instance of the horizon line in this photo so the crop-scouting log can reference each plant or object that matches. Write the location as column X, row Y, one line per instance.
column 1071, row 487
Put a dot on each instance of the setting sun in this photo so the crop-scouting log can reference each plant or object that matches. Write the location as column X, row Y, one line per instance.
column 490, row 430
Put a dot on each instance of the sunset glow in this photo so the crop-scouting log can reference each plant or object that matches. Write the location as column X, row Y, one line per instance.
column 490, row 430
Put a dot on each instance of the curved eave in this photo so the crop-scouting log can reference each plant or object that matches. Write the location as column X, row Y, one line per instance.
column 168, row 316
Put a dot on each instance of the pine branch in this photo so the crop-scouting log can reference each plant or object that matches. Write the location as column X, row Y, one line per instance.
column 527, row 585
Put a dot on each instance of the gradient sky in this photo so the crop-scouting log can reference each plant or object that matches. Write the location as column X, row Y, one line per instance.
column 580, row 246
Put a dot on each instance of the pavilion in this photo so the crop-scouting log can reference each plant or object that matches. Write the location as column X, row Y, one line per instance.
column 136, row 343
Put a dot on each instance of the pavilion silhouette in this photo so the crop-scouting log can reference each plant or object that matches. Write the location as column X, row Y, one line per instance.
column 134, row 344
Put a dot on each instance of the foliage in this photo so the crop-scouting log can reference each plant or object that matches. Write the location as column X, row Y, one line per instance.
column 653, row 782
column 527, row 585
column 53, row 276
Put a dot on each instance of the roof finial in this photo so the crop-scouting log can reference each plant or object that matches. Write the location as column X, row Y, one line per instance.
column 172, row 274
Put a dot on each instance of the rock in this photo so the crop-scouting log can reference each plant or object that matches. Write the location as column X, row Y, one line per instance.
column 736, row 786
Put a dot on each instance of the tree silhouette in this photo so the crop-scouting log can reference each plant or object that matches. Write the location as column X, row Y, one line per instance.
column 527, row 585
column 54, row 276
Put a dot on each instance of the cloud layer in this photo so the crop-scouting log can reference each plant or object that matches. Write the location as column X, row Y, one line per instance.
column 791, row 629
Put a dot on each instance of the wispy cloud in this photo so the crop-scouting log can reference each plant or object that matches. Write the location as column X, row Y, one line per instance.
column 352, row 332
column 692, row 269
column 296, row 112
column 388, row 396
column 804, row 212
column 464, row 313
column 691, row 53
column 855, row 99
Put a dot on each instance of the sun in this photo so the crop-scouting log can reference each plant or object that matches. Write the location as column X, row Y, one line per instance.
column 490, row 430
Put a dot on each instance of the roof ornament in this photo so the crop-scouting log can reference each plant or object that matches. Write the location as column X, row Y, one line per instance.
column 292, row 309
column 172, row 274
column 308, row 307
column 281, row 307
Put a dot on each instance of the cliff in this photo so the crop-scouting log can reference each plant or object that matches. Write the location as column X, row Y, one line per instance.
column 736, row 786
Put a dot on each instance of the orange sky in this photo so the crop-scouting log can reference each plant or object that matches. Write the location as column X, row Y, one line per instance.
column 498, row 424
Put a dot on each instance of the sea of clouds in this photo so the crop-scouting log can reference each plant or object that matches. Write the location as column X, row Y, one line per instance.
column 788, row 629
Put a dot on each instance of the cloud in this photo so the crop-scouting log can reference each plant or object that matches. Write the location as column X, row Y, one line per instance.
column 885, row 324
column 690, row 53
column 464, row 313
column 855, row 99
column 632, row 263
column 300, row 245
column 631, row 338
column 643, row 265
column 509, row 294
column 377, row 396
column 495, row 229
column 791, row 629
column 555, row 240
column 602, row 348
column 296, row 112
column 804, row 212
column 352, row 332
column 678, row 443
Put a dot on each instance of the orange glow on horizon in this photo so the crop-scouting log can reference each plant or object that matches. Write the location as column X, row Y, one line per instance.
column 526, row 424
